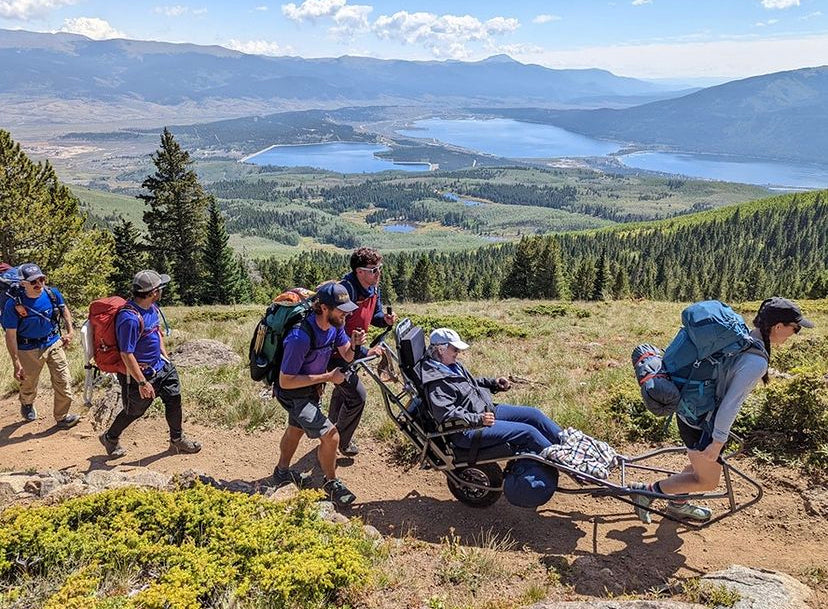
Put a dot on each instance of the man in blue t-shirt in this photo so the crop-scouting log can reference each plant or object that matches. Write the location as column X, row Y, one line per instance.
column 33, row 339
column 150, row 373
column 302, row 378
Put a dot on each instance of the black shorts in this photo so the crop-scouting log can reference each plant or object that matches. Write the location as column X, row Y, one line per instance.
column 694, row 439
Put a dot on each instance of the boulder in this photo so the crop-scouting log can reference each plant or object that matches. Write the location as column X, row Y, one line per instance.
column 816, row 501
column 206, row 353
column 616, row 604
column 761, row 589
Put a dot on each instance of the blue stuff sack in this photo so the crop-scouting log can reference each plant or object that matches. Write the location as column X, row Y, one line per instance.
column 529, row 483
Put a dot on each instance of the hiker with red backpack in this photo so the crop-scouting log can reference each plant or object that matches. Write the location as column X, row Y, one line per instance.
column 33, row 338
column 348, row 398
column 704, row 377
column 146, row 371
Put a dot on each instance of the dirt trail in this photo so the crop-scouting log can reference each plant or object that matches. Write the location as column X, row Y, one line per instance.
column 595, row 536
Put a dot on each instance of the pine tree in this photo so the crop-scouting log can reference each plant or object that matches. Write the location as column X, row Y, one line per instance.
column 621, row 283
column 422, row 284
column 602, row 289
column 583, row 281
column 222, row 281
column 176, row 219
column 41, row 222
column 550, row 281
column 386, row 286
column 520, row 281
column 130, row 256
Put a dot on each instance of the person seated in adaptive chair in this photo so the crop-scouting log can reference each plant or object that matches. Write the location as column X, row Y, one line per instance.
column 455, row 396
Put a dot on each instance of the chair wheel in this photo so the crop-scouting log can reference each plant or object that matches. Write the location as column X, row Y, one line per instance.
column 488, row 474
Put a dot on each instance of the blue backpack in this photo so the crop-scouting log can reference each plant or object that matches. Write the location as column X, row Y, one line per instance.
column 711, row 336
column 529, row 483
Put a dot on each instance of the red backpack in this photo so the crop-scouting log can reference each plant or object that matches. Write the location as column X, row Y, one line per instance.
column 102, row 314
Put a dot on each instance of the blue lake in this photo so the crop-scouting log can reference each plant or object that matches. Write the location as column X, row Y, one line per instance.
column 399, row 228
column 510, row 138
column 342, row 157
column 764, row 173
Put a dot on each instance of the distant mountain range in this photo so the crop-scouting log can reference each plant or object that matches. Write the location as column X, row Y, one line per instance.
column 76, row 67
column 775, row 116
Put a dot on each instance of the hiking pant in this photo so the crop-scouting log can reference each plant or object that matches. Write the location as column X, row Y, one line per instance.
column 54, row 357
column 167, row 387
column 347, row 405
column 524, row 427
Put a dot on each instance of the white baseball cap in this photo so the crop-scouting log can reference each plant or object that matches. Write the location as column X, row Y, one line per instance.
column 447, row 336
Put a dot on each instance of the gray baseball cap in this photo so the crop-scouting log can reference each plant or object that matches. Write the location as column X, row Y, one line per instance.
column 147, row 281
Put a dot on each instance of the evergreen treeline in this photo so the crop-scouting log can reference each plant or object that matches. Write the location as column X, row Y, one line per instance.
column 289, row 225
column 779, row 246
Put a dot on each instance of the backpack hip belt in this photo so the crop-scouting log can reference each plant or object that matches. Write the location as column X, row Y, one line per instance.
column 37, row 341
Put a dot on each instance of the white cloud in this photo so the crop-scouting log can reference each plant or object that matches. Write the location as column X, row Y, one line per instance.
column 260, row 8
column 312, row 9
column 29, row 9
column 641, row 2
column 92, row 27
column 443, row 35
column 351, row 20
column 730, row 58
column 766, row 23
column 259, row 47
column 780, row 3
column 545, row 18
column 812, row 15
column 171, row 11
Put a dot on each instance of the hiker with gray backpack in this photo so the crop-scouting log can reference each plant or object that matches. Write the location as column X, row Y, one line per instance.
column 704, row 377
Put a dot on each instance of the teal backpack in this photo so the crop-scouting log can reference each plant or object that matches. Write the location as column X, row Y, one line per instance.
column 288, row 310
column 711, row 336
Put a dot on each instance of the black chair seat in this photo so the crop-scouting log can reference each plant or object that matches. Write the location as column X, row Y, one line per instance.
column 498, row 451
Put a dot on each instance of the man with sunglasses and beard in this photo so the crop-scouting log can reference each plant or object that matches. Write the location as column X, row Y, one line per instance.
column 308, row 348
column 33, row 339
column 348, row 397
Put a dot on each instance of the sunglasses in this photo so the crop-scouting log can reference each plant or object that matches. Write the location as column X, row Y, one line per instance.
column 796, row 328
column 38, row 281
column 373, row 270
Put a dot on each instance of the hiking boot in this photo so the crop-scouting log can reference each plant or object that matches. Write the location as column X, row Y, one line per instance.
column 642, row 502
column 28, row 412
column 184, row 445
column 352, row 450
column 113, row 447
column 68, row 422
column 338, row 492
column 283, row 477
column 687, row 511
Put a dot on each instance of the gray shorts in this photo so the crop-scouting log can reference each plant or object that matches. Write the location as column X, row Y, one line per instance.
column 304, row 411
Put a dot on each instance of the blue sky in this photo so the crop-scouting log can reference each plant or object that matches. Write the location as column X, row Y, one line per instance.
column 640, row 38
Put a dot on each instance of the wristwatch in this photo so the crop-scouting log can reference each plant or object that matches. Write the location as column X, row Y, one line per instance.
column 142, row 383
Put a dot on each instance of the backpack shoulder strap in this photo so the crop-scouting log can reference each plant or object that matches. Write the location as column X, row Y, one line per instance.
column 55, row 306
column 129, row 307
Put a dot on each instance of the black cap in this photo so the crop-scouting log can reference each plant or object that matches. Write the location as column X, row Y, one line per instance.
column 30, row 271
column 776, row 310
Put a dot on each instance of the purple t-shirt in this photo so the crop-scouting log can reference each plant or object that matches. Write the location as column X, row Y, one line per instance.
column 298, row 356
column 147, row 346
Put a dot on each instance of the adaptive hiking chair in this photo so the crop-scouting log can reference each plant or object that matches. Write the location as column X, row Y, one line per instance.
column 475, row 477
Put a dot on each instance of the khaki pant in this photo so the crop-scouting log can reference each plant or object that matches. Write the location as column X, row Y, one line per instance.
column 55, row 358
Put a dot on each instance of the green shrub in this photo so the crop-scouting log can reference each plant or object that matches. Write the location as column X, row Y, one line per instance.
column 548, row 310
column 628, row 412
column 470, row 327
column 810, row 351
column 791, row 422
column 184, row 549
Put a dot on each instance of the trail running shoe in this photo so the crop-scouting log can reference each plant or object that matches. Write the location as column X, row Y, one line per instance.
column 28, row 412
column 338, row 492
column 185, row 445
column 113, row 447
column 352, row 450
column 68, row 422
column 283, row 477
column 687, row 511
column 642, row 503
